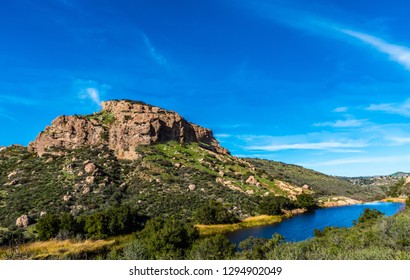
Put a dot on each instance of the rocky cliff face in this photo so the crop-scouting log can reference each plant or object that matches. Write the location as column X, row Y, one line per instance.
column 122, row 126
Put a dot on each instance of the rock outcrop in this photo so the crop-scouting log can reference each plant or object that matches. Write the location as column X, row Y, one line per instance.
column 23, row 221
column 122, row 125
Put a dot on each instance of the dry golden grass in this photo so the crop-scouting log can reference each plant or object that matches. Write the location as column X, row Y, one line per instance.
column 67, row 249
column 248, row 222
column 394, row 199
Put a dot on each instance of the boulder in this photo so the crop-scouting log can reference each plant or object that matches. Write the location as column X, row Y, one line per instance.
column 252, row 181
column 90, row 167
column 23, row 221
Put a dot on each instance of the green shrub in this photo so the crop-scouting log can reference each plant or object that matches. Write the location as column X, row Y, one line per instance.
column 213, row 213
column 273, row 205
column 307, row 201
column 48, row 226
column 215, row 247
column 166, row 239
column 369, row 215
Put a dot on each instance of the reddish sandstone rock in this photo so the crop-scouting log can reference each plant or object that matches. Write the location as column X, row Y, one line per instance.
column 122, row 126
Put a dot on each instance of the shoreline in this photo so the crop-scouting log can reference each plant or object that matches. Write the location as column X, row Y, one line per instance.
column 254, row 221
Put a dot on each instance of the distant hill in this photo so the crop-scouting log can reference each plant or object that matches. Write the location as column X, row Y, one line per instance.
column 400, row 174
column 322, row 184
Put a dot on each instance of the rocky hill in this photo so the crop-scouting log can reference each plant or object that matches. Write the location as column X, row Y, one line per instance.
column 122, row 126
column 149, row 158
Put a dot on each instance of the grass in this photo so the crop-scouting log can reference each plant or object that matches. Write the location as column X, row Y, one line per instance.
column 67, row 249
column 248, row 222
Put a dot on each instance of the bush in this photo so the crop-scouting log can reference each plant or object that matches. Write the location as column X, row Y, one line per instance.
column 166, row 239
column 369, row 215
column 216, row 247
column 213, row 213
column 273, row 205
column 48, row 226
column 307, row 201
column 113, row 221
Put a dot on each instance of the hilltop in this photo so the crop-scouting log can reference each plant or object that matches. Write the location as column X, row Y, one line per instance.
column 154, row 161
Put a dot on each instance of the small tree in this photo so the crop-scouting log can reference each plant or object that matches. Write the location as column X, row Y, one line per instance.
column 369, row 215
column 273, row 205
column 48, row 226
column 307, row 201
column 167, row 239
column 215, row 247
column 213, row 213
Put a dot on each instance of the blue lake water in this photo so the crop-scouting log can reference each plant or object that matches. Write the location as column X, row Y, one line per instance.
column 301, row 227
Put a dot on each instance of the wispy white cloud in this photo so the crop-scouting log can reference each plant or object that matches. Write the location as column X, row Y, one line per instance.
column 342, row 123
column 308, row 21
column 223, row 135
column 340, row 110
column 327, row 146
column 94, row 95
column 402, row 109
column 5, row 115
column 360, row 160
column 18, row 100
column 400, row 140
column 398, row 53
column 158, row 57
column 90, row 90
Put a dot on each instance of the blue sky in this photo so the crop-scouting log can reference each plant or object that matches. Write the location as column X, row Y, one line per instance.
column 323, row 84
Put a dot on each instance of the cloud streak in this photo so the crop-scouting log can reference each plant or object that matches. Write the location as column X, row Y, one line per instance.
column 402, row 109
column 94, row 95
column 305, row 20
column 397, row 53
column 158, row 58
column 326, row 146
column 90, row 90
column 342, row 123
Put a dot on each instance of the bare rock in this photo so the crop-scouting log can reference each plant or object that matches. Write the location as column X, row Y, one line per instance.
column 90, row 180
column 131, row 124
column 12, row 174
column 192, row 187
column 49, row 160
column 23, row 221
column 221, row 173
column 252, row 181
column 90, row 167
column 86, row 190
column 67, row 197
column 2, row 149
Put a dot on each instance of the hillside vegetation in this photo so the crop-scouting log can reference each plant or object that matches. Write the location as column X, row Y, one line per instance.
column 323, row 185
column 169, row 180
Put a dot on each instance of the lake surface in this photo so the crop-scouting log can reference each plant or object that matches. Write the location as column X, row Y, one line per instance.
column 301, row 227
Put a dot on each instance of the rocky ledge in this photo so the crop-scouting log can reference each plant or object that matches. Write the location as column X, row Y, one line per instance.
column 122, row 125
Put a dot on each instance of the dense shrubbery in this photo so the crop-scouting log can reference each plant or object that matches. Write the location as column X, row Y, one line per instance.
column 321, row 183
column 215, row 247
column 273, row 205
column 213, row 213
column 101, row 224
column 162, row 239
column 396, row 189
column 369, row 215
column 307, row 201
column 174, row 240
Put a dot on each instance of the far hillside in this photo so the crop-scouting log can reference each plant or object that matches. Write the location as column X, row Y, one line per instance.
column 321, row 184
